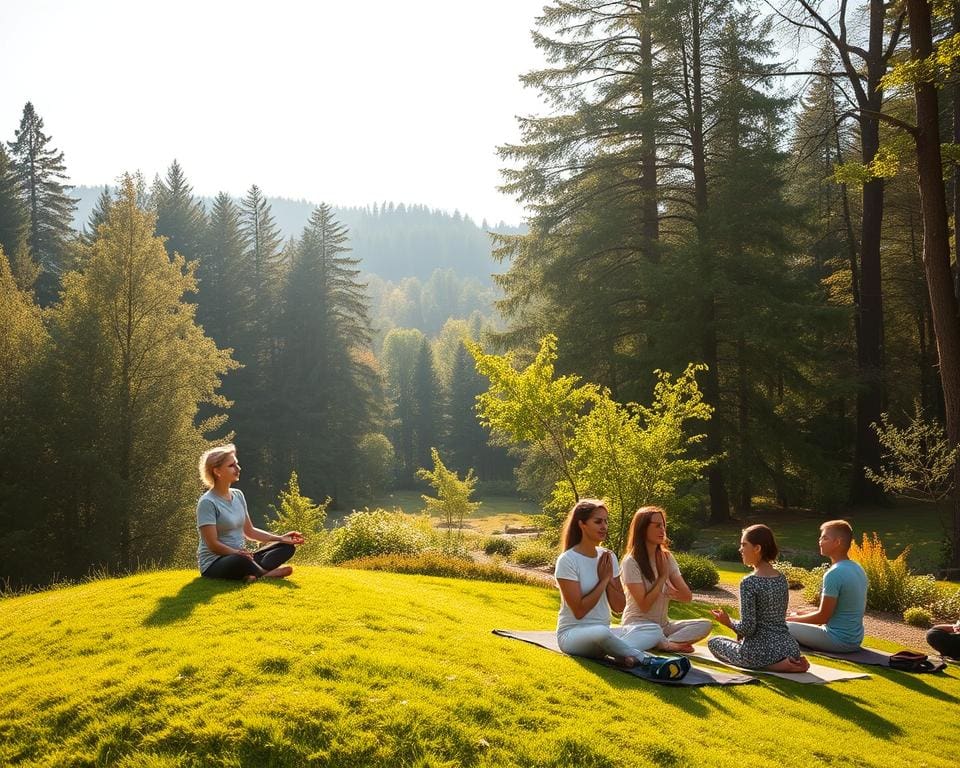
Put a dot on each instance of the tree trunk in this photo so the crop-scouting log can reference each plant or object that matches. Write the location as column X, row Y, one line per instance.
column 936, row 244
column 648, row 141
column 870, row 397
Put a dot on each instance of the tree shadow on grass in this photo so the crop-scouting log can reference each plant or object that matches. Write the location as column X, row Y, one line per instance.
column 918, row 684
column 176, row 607
column 840, row 703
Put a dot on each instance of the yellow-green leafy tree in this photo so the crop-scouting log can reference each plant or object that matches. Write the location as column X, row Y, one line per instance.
column 23, row 347
column 131, row 368
column 631, row 454
column 452, row 500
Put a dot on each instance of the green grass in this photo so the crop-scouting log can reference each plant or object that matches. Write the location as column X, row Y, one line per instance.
column 901, row 525
column 348, row 668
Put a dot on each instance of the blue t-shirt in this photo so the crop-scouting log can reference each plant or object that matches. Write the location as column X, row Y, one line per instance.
column 847, row 582
column 228, row 516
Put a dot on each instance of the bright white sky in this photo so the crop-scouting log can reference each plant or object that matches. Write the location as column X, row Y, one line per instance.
column 345, row 103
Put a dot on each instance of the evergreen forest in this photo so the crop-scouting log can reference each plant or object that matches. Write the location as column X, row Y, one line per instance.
column 702, row 195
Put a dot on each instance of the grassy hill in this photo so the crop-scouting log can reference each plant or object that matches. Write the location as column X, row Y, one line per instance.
column 347, row 668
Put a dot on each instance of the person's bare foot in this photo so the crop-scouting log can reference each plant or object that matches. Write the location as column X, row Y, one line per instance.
column 790, row 665
column 627, row 662
column 278, row 573
column 673, row 647
column 250, row 579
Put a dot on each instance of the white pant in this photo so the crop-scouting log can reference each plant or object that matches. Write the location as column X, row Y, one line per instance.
column 598, row 640
column 647, row 634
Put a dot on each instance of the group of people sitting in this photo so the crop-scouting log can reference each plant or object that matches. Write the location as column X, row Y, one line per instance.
column 593, row 583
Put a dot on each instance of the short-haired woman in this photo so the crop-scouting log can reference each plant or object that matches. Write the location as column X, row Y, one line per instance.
column 651, row 579
column 763, row 640
column 587, row 575
column 224, row 525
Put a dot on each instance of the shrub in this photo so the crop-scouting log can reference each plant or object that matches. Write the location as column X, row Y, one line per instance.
column 796, row 576
column 698, row 571
column 534, row 553
column 728, row 552
column 917, row 616
column 947, row 606
column 437, row 564
column 378, row 532
column 813, row 584
column 921, row 590
column 497, row 545
column 889, row 579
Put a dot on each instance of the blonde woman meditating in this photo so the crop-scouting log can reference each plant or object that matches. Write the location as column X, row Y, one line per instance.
column 651, row 579
column 763, row 640
column 586, row 575
column 224, row 526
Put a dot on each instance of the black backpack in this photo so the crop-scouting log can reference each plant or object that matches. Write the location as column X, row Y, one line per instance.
column 911, row 661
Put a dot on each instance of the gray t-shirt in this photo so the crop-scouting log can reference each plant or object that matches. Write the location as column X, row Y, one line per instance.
column 228, row 516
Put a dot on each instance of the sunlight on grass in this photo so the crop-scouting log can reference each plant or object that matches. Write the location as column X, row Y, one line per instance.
column 346, row 668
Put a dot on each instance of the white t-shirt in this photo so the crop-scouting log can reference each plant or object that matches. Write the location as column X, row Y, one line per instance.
column 573, row 566
column 633, row 575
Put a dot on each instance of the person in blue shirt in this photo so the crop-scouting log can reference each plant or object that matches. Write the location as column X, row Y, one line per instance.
column 837, row 625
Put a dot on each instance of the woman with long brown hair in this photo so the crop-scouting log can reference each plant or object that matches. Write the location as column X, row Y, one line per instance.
column 651, row 579
column 587, row 576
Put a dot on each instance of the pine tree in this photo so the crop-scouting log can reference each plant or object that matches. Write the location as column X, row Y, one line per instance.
column 131, row 369
column 399, row 355
column 41, row 177
column 330, row 384
column 223, row 299
column 98, row 216
column 181, row 218
column 262, row 242
column 467, row 441
column 427, row 405
column 14, row 225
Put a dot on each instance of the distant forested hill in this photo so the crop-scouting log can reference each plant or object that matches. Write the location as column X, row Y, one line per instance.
column 392, row 241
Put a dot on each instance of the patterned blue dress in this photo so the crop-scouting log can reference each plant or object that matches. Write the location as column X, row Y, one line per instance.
column 763, row 637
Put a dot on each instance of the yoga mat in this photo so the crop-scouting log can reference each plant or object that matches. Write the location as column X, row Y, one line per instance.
column 696, row 676
column 869, row 657
column 816, row 674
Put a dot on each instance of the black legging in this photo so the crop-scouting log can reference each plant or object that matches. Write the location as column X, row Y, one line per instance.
column 240, row 567
column 945, row 643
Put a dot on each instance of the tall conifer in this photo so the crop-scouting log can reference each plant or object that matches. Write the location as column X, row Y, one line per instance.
column 181, row 218
column 41, row 177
